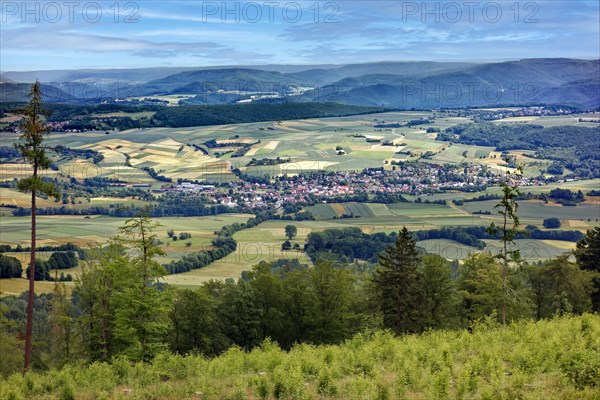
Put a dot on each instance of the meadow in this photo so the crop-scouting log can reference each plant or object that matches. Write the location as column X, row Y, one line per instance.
column 56, row 230
column 547, row 359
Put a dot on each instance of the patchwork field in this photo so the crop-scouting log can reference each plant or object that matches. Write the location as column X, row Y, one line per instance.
column 311, row 144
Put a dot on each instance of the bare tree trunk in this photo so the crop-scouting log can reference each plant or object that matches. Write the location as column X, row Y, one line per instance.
column 29, row 326
column 504, row 270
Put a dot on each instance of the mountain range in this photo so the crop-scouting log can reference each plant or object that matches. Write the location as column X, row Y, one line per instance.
column 402, row 85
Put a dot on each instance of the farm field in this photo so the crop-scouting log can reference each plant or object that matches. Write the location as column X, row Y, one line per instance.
column 55, row 230
column 583, row 185
column 386, row 217
column 59, row 229
column 263, row 242
column 536, row 209
column 310, row 144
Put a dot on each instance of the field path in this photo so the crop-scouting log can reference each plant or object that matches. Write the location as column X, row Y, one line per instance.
column 457, row 208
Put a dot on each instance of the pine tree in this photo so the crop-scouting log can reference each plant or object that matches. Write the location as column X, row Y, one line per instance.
column 31, row 147
column 397, row 282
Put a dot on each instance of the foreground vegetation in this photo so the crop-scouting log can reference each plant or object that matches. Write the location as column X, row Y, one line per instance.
column 558, row 359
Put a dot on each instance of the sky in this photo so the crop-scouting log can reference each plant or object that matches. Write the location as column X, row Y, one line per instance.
column 43, row 35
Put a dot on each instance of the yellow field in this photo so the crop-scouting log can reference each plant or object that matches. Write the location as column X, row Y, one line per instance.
column 561, row 244
column 518, row 119
column 14, row 287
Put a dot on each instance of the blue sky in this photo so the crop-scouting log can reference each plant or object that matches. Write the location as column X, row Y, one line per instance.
column 120, row 34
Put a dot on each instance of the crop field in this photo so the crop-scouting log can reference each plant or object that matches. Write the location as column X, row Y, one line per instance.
column 132, row 115
column 10, row 171
column 458, row 153
column 310, row 144
column 583, row 185
column 261, row 243
column 448, row 249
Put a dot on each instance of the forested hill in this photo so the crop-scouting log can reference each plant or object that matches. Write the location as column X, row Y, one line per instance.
column 573, row 147
column 403, row 85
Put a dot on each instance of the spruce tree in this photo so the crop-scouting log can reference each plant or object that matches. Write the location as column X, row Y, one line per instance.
column 587, row 254
column 397, row 283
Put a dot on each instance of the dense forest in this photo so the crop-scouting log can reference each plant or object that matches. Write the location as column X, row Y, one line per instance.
column 87, row 117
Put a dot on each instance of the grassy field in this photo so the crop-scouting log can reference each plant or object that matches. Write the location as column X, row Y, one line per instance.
column 537, row 209
column 548, row 359
column 261, row 243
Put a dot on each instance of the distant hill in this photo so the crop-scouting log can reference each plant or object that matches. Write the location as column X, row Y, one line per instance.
column 552, row 81
column 408, row 68
column 231, row 79
column 400, row 85
column 19, row 92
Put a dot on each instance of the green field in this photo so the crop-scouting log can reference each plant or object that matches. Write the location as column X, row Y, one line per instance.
column 537, row 209
column 311, row 145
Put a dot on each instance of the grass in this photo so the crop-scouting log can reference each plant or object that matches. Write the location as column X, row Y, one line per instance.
column 549, row 359
column 448, row 249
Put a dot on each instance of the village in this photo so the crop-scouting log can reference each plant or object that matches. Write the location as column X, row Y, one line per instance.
column 416, row 179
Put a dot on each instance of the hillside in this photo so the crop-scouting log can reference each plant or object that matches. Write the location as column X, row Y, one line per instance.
column 404, row 85
column 553, row 81
column 557, row 358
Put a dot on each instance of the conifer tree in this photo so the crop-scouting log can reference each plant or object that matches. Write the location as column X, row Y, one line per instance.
column 397, row 282
column 30, row 145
